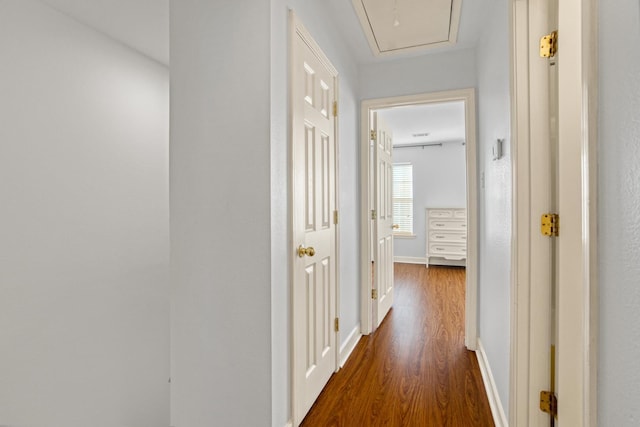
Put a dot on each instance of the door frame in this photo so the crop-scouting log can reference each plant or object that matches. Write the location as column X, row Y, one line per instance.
column 297, row 29
column 577, row 245
column 468, row 96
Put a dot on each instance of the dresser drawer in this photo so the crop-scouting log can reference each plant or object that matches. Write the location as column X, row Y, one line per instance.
column 448, row 236
column 460, row 213
column 447, row 224
column 441, row 213
column 448, row 250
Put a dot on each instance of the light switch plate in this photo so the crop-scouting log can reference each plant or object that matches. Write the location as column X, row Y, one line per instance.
column 497, row 149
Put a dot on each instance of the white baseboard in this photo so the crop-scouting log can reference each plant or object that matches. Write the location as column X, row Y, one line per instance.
column 289, row 424
column 409, row 260
column 499, row 418
column 350, row 343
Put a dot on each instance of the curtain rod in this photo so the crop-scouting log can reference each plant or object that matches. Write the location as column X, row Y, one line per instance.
column 421, row 144
column 424, row 144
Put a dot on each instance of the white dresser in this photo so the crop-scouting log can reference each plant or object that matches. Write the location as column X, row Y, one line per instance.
column 446, row 236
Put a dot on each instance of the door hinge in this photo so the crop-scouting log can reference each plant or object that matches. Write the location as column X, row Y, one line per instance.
column 374, row 135
column 549, row 403
column 335, row 217
column 373, row 214
column 550, row 224
column 336, row 324
column 374, row 294
column 335, row 108
column 549, row 45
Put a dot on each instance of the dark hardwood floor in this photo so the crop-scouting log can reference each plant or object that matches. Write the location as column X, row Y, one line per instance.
column 414, row 370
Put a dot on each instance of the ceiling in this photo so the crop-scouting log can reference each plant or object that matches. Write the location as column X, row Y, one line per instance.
column 140, row 24
column 144, row 26
column 472, row 14
column 398, row 26
column 444, row 122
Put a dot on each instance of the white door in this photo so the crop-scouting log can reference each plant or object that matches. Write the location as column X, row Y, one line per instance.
column 314, row 231
column 382, row 219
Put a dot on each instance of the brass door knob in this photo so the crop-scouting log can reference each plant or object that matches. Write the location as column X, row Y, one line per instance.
column 395, row 226
column 302, row 251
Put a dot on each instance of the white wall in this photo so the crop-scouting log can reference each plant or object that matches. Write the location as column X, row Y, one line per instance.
column 439, row 181
column 220, row 214
column 84, row 310
column 422, row 74
column 619, row 214
column 314, row 16
column 495, row 196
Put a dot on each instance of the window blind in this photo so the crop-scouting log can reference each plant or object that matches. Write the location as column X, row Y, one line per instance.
column 403, row 197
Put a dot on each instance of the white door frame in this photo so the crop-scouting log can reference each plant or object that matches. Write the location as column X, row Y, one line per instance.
column 468, row 96
column 577, row 294
column 297, row 29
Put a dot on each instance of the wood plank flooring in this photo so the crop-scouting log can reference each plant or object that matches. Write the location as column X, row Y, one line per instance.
column 414, row 370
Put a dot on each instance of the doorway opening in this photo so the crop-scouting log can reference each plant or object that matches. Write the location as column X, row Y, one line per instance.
column 376, row 114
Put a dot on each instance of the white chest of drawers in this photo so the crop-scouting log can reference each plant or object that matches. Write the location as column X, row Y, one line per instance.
column 446, row 236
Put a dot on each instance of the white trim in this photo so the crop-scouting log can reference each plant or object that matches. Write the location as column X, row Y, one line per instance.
column 456, row 6
column 289, row 424
column 410, row 260
column 349, row 345
column 471, row 300
column 578, row 301
column 497, row 410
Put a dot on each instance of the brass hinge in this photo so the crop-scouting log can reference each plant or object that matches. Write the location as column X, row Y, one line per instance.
column 336, row 325
column 374, row 135
column 549, row 403
column 548, row 398
column 335, row 217
column 373, row 214
column 374, row 294
column 550, row 225
column 549, row 45
column 335, row 108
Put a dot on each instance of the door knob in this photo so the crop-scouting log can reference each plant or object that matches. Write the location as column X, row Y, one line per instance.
column 395, row 226
column 302, row 251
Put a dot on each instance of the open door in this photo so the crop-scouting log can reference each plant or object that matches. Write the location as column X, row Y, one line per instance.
column 554, row 352
column 382, row 217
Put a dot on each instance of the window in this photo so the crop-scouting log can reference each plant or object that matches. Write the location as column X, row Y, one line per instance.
column 403, row 198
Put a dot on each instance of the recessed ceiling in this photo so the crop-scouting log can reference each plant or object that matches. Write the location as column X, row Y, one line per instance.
column 442, row 122
column 398, row 26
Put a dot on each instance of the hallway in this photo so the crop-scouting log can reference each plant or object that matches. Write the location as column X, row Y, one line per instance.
column 414, row 370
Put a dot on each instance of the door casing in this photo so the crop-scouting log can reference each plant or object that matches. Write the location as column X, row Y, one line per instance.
column 576, row 359
column 468, row 96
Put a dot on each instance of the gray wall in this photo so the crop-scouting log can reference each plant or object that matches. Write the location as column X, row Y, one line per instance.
column 495, row 196
column 315, row 18
column 220, row 230
column 84, row 226
column 439, row 181
column 428, row 73
column 619, row 214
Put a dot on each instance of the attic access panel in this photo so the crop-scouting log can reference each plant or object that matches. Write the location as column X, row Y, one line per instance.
column 398, row 26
